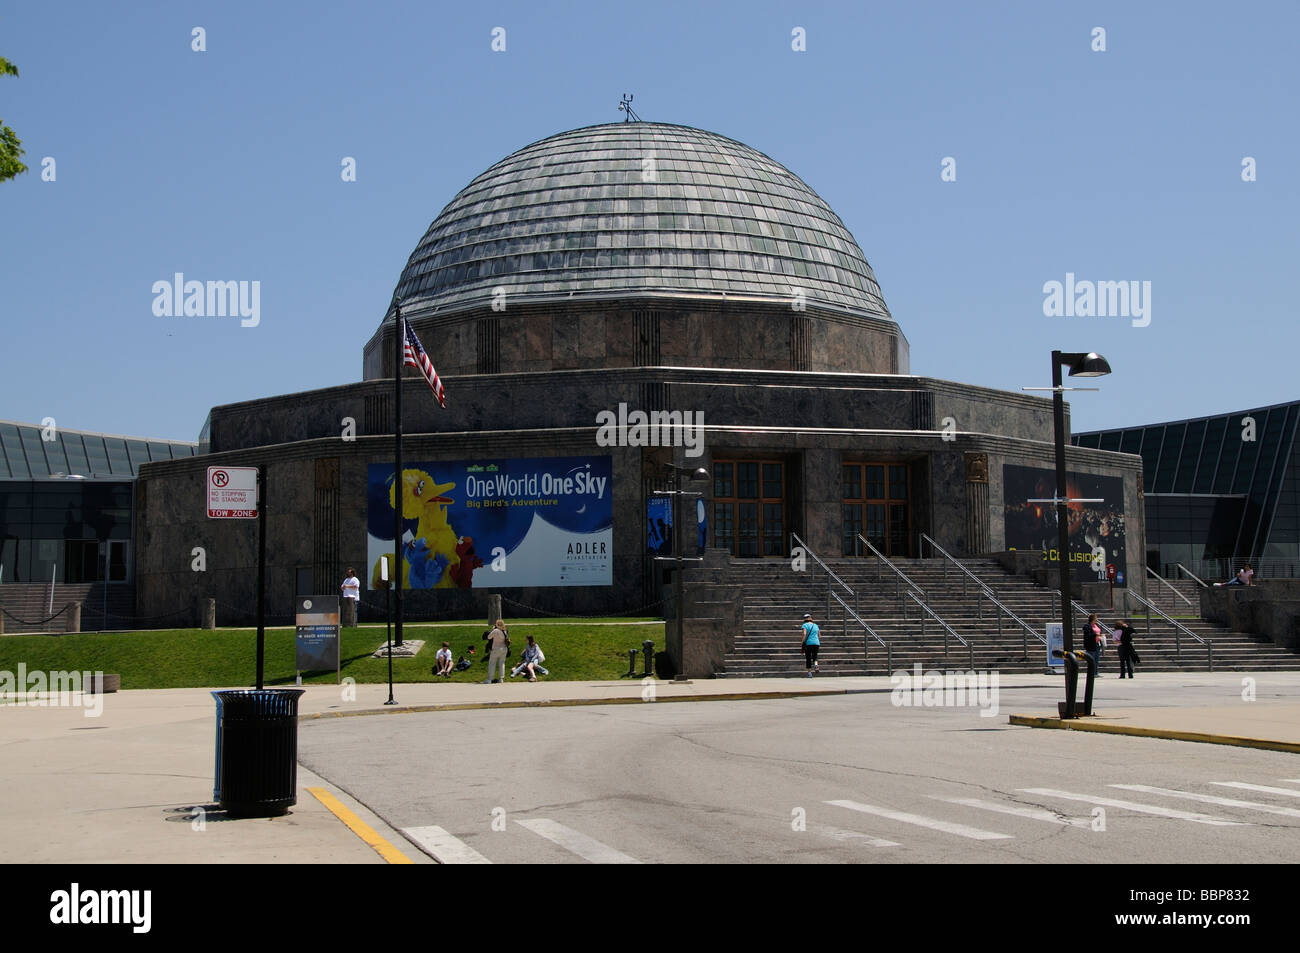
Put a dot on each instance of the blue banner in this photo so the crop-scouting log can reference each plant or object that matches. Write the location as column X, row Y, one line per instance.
column 496, row 523
column 659, row 526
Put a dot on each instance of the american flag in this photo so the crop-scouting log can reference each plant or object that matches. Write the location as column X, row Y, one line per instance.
column 416, row 358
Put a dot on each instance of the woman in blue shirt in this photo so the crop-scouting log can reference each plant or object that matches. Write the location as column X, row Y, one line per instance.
column 811, row 643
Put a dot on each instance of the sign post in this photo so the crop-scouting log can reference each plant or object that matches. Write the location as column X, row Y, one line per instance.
column 239, row 493
column 316, row 636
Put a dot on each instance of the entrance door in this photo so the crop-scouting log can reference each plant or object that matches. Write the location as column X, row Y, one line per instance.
column 877, row 505
column 749, row 507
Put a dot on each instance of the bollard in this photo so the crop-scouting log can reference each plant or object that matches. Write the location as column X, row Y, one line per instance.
column 648, row 648
column 2, row 623
column 494, row 609
column 74, row 617
column 631, row 664
column 207, row 613
column 348, row 613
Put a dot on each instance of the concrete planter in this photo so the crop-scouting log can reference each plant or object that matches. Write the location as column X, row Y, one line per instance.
column 101, row 684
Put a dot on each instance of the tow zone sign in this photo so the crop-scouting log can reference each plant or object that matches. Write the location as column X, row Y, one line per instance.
column 232, row 493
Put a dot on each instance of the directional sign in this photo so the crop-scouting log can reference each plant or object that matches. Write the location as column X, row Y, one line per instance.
column 232, row 493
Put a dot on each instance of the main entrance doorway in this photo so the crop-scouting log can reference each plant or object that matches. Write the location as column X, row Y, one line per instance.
column 877, row 505
column 749, row 507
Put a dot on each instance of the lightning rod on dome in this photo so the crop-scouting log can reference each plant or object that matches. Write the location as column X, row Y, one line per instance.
column 625, row 106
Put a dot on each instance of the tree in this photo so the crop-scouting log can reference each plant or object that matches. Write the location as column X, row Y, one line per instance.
column 11, row 147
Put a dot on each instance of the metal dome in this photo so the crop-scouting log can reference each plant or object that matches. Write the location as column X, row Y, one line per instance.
column 638, row 209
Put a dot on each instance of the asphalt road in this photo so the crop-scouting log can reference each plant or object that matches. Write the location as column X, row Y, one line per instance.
column 842, row 779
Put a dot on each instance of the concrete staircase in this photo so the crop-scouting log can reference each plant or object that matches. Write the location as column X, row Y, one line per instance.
column 776, row 597
column 1163, row 598
column 30, row 602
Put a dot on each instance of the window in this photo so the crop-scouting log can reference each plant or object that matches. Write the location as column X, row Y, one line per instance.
column 749, row 507
column 876, row 505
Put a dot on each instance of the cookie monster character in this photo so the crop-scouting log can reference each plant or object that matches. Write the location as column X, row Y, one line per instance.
column 426, row 567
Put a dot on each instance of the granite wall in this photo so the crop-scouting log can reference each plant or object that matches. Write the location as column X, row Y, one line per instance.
column 538, row 336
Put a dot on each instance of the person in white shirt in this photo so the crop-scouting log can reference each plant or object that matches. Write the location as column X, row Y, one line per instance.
column 443, row 659
column 351, row 586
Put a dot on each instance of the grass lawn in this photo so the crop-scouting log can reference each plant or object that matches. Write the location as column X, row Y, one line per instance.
column 575, row 649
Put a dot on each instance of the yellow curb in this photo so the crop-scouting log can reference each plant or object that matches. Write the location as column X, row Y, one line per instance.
column 360, row 827
column 1239, row 741
column 571, row 702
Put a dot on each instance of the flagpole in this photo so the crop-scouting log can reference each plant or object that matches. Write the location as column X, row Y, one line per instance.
column 399, row 485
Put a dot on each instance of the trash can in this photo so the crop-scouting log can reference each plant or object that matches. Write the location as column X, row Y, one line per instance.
column 256, row 771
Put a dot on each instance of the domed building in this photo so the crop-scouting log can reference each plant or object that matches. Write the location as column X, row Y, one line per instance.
column 634, row 244
column 604, row 305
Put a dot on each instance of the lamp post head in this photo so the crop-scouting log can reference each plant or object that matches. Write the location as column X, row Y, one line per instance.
column 699, row 473
column 1091, row 364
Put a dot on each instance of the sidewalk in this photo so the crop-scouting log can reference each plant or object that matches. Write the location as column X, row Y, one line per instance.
column 122, row 787
column 1272, row 726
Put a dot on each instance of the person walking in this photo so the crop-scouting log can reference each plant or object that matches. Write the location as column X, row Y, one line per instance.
column 498, row 641
column 812, row 643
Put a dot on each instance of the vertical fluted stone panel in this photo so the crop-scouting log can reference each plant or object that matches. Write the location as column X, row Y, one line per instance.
column 977, row 504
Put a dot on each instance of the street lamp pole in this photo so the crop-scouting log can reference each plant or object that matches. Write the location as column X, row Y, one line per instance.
column 677, row 649
column 1062, row 516
column 1080, row 365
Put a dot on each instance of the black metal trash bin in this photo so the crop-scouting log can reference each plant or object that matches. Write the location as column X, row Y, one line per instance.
column 256, row 772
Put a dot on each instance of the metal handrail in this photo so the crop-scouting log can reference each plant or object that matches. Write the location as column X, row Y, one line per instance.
column 898, row 572
column 848, row 611
column 1193, row 575
column 1178, row 627
column 986, row 592
column 1168, row 585
column 947, row 630
column 830, row 575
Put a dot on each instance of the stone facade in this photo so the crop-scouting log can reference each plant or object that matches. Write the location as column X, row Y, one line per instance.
column 955, row 438
column 718, row 333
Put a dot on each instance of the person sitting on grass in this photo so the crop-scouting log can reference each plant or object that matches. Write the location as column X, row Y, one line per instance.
column 444, row 661
column 532, row 661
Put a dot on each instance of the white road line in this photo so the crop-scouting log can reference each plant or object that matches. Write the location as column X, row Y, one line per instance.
column 443, row 847
column 1211, row 799
column 1140, row 808
column 1263, row 788
column 838, row 834
column 1016, row 810
column 1290, row 780
column 961, row 830
column 575, row 842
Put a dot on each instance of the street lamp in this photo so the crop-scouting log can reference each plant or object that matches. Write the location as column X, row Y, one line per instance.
column 1080, row 365
column 677, row 649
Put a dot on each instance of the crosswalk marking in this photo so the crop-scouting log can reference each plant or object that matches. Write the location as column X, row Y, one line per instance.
column 443, row 847
column 575, row 842
column 1016, row 810
column 1140, row 808
column 838, row 834
column 961, row 830
column 1262, row 788
column 1211, row 799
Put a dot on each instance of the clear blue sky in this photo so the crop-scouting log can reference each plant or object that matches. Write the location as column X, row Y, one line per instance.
column 1122, row 165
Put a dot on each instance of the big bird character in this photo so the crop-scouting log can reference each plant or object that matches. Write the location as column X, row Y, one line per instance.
column 427, row 558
